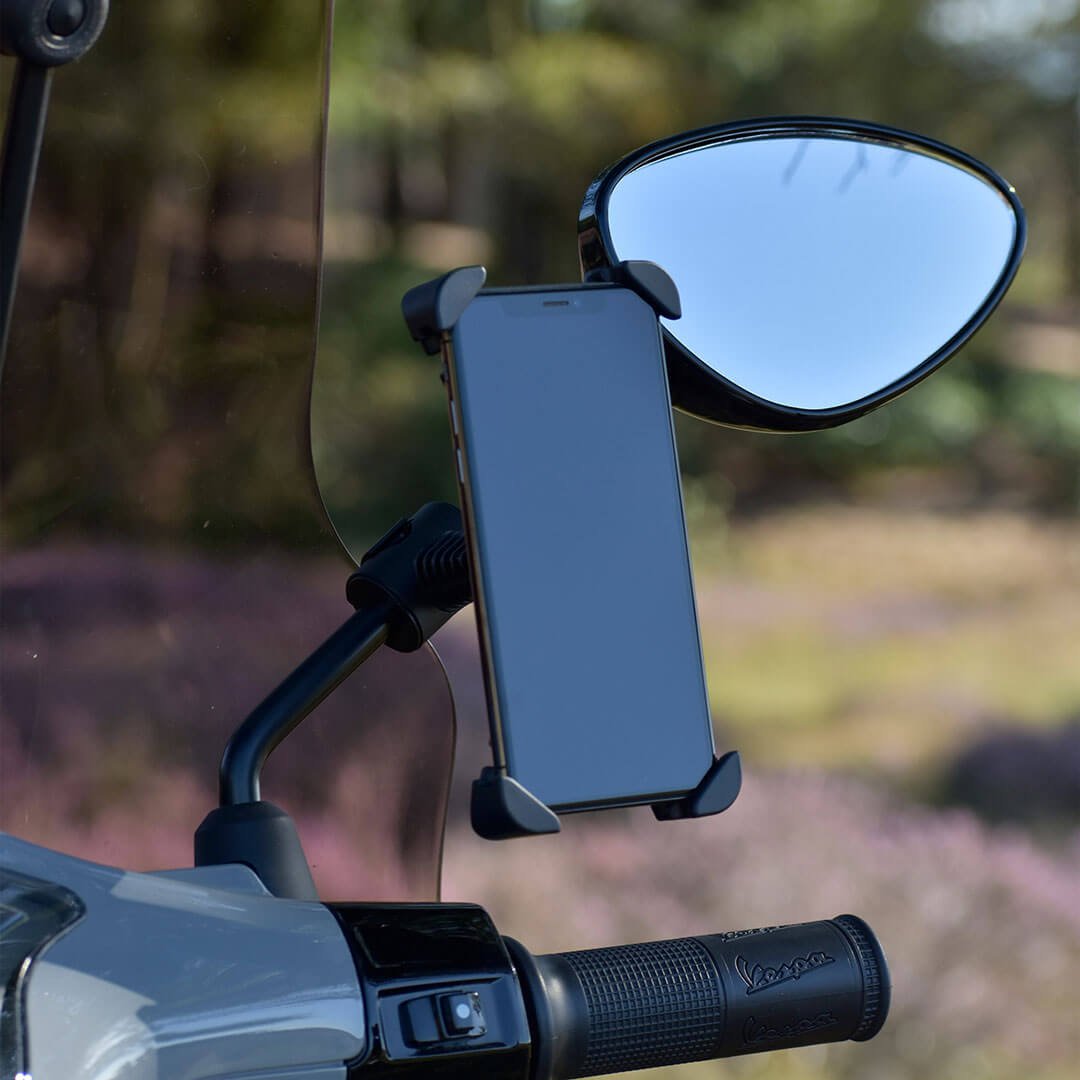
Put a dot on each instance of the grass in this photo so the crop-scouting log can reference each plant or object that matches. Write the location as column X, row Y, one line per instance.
column 881, row 640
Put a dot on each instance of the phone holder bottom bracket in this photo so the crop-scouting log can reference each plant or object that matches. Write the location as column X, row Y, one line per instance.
column 503, row 809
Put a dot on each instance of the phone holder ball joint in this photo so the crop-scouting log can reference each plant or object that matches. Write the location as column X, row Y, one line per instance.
column 501, row 807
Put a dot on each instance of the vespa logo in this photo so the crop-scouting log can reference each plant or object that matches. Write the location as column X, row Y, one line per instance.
column 755, row 1032
column 733, row 935
column 759, row 978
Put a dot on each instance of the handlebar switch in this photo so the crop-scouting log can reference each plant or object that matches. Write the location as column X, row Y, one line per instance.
column 436, row 1018
column 440, row 990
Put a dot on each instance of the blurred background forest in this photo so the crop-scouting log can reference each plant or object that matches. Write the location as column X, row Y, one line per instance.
column 459, row 138
column 890, row 611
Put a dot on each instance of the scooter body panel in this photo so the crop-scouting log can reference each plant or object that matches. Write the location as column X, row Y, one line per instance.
column 192, row 975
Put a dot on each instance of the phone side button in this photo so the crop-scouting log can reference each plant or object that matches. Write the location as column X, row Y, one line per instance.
column 459, row 464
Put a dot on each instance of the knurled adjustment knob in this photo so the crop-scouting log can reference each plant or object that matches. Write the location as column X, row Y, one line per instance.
column 48, row 33
column 65, row 17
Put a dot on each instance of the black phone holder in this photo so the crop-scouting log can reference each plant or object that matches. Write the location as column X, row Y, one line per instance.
column 502, row 807
column 407, row 586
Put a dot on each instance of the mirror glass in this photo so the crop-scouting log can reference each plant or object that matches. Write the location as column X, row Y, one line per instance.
column 815, row 269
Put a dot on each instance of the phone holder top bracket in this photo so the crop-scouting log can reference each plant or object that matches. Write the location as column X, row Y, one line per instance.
column 649, row 281
column 433, row 308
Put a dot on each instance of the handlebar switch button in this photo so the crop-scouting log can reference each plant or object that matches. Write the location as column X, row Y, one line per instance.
column 420, row 1027
column 462, row 1015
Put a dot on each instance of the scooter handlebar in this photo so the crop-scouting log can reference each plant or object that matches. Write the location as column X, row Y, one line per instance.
column 692, row 999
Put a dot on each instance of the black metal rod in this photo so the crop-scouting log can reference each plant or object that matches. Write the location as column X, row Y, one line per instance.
column 252, row 743
column 22, row 148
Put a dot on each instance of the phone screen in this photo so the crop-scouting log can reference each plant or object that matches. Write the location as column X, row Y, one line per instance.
column 570, row 484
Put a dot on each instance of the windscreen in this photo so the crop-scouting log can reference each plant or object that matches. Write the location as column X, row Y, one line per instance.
column 166, row 561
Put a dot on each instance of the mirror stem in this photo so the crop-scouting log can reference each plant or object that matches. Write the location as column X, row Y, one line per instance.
column 22, row 148
column 286, row 706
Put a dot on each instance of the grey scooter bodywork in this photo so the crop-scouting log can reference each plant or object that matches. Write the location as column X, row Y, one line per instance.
column 186, row 975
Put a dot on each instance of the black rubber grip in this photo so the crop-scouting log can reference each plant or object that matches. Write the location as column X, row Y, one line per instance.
column 692, row 999
column 651, row 1004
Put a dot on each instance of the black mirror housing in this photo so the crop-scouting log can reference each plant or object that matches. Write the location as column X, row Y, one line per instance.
column 708, row 391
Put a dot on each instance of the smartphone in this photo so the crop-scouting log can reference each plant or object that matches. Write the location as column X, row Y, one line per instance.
column 566, row 461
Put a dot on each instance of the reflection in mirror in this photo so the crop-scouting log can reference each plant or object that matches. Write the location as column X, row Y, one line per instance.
column 815, row 269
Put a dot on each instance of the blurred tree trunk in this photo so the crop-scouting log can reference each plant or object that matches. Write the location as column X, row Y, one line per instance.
column 1071, row 158
column 393, row 198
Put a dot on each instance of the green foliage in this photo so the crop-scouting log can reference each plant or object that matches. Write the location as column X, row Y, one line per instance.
column 167, row 307
column 379, row 438
column 498, row 119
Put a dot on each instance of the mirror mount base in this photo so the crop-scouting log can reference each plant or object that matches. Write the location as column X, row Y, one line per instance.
column 263, row 837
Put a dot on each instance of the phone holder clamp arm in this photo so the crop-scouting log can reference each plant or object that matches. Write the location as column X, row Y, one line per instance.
column 648, row 280
column 432, row 309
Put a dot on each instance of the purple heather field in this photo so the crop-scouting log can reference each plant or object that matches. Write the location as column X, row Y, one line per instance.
column 124, row 669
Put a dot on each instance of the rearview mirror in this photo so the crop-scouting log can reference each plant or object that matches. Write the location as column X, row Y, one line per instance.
column 824, row 266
